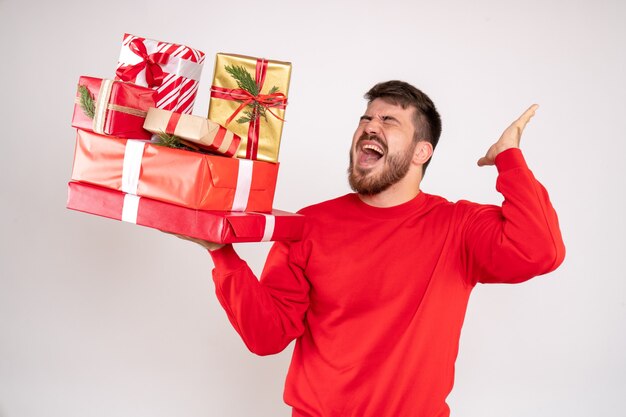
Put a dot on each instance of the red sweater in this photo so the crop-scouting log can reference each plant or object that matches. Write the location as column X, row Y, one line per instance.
column 376, row 297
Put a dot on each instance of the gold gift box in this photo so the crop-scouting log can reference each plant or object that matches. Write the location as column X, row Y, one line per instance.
column 271, row 126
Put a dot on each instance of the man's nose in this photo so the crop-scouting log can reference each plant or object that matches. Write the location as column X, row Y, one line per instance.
column 372, row 127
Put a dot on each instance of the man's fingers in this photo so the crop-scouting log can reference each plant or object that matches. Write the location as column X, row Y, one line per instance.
column 523, row 120
column 204, row 243
column 510, row 138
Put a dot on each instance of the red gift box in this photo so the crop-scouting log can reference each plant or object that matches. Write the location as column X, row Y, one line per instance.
column 190, row 179
column 172, row 70
column 214, row 226
column 119, row 109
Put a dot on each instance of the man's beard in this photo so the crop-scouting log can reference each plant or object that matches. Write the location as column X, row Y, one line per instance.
column 395, row 168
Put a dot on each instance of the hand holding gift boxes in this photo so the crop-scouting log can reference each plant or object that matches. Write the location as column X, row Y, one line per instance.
column 203, row 196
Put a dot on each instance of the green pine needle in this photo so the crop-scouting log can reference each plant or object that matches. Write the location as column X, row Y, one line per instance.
column 243, row 78
column 173, row 141
column 248, row 116
column 87, row 102
column 246, row 82
column 170, row 141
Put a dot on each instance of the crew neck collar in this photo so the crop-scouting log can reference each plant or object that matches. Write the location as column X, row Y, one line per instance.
column 400, row 210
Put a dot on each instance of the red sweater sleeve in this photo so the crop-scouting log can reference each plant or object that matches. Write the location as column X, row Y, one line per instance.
column 268, row 314
column 519, row 240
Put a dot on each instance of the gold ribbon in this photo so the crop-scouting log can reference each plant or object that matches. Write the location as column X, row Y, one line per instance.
column 127, row 110
column 101, row 106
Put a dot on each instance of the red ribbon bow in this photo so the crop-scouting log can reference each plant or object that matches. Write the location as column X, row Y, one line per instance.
column 267, row 101
column 277, row 100
column 151, row 62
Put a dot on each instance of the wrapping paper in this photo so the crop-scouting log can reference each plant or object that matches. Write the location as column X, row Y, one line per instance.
column 214, row 226
column 172, row 70
column 190, row 179
column 120, row 108
column 260, row 138
column 195, row 129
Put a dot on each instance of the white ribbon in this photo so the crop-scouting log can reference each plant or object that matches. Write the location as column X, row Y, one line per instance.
column 130, row 208
column 270, row 222
column 175, row 65
column 244, row 184
column 132, row 165
column 131, row 168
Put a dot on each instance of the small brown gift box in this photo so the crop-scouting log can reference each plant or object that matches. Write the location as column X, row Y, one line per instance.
column 195, row 129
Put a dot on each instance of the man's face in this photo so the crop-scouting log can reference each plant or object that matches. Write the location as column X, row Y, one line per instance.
column 382, row 147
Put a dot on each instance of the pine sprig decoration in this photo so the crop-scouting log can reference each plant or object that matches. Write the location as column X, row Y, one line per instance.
column 243, row 78
column 245, row 119
column 87, row 102
column 245, row 81
column 175, row 142
column 171, row 141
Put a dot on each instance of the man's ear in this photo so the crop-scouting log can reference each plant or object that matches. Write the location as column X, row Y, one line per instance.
column 423, row 152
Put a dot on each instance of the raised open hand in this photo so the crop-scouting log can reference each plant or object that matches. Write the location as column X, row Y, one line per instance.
column 510, row 138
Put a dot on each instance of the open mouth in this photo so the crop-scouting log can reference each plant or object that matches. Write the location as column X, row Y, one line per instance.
column 374, row 150
column 370, row 152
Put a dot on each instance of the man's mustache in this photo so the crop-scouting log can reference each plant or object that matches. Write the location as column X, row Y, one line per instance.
column 373, row 138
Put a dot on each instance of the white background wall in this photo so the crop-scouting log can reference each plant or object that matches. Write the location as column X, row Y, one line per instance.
column 101, row 318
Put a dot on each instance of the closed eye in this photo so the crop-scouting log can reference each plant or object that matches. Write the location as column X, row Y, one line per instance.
column 389, row 119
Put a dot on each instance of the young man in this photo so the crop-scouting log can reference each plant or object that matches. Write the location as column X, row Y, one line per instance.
column 376, row 291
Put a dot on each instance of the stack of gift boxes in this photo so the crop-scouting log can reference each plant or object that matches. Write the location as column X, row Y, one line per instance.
column 142, row 157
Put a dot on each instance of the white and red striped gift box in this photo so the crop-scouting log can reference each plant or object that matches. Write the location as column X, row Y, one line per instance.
column 180, row 66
